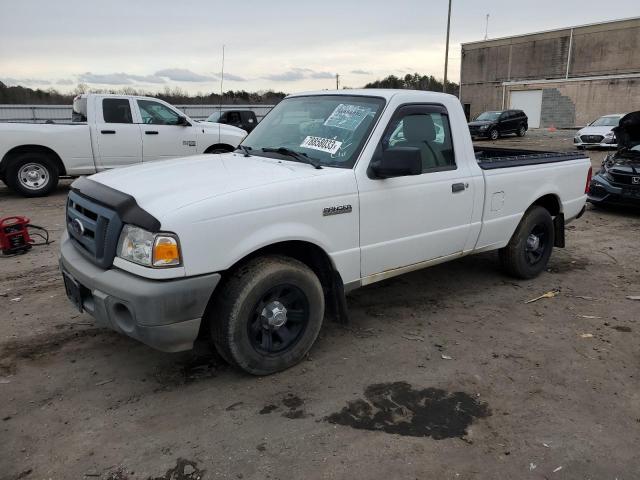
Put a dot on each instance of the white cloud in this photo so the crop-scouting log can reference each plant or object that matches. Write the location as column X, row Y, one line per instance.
column 360, row 72
column 183, row 75
column 24, row 81
column 118, row 78
column 296, row 74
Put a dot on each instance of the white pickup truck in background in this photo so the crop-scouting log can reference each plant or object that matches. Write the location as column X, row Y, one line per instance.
column 330, row 192
column 108, row 131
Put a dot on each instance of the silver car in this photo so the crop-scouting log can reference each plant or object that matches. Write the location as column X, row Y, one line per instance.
column 599, row 133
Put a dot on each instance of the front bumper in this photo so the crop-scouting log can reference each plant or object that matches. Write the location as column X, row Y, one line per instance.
column 602, row 191
column 164, row 314
column 477, row 133
column 579, row 143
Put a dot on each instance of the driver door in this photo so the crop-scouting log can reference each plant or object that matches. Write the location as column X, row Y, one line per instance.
column 162, row 137
column 407, row 220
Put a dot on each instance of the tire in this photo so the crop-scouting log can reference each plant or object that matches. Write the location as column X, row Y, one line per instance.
column 522, row 131
column 247, row 322
column 494, row 134
column 32, row 174
column 530, row 247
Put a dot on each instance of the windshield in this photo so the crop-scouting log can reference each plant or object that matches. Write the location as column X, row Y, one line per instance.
column 213, row 117
column 490, row 116
column 606, row 122
column 330, row 129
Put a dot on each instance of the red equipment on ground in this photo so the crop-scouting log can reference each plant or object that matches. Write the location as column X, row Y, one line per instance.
column 15, row 236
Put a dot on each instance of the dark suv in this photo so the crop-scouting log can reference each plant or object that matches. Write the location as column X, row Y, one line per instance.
column 493, row 124
column 244, row 119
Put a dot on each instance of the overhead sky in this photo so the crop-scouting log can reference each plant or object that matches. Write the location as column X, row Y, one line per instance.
column 282, row 45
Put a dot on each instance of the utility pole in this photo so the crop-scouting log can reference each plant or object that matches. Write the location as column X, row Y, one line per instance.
column 222, row 79
column 446, row 51
column 486, row 28
column 337, row 81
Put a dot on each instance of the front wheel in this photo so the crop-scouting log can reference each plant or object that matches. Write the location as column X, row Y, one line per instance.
column 267, row 315
column 32, row 174
column 494, row 134
column 528, row 251
column 521, row 131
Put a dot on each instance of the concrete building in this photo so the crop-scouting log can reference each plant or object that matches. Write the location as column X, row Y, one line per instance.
column 561, row 78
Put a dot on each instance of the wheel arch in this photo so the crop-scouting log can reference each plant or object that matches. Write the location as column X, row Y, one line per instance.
column 219, row 146
column 313, row 256
column 551, row 202
column 21, row 149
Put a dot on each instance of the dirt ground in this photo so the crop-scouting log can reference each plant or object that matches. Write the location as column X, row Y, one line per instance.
column 444, row 373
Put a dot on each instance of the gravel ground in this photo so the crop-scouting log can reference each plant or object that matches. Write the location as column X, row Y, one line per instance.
column 503, row 388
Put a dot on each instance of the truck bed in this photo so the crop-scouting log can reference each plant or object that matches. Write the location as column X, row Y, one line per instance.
column 489, row 158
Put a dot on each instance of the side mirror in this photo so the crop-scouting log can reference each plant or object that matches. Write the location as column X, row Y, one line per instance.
column 183, row 121
column 398, row 162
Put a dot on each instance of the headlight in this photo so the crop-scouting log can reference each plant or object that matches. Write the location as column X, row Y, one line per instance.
column 608, row 134
column 149, row 249
column 484, row 127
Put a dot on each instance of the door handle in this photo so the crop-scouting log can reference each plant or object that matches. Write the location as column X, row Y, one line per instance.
column 459, row 187
column 108, row 132
column 151, row 132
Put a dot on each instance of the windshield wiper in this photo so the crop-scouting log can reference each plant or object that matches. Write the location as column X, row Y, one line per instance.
column 301, row 157
column 245, row 150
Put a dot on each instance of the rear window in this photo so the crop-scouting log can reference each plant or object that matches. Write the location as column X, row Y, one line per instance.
column 116, row 110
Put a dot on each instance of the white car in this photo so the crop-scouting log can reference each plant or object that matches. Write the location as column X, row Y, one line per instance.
column 108, row 131
column 599, row 133
column 331, row 191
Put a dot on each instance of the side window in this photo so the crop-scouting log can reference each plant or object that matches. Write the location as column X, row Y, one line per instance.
column 427, row 131
column 116, row 110
column 234, row 117
column 154, row 113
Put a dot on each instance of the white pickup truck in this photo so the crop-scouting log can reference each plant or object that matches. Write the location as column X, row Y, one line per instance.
column 330, row 192
column 108, row 131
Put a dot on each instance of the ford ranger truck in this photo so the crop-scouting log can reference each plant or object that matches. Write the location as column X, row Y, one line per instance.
column 107, row 131
column 330, row 192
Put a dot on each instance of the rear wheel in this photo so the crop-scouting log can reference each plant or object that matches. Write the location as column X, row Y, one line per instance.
column 32, row 174
column 528, row 251
column 494, row 134
column 521, row 131
column 267, row 315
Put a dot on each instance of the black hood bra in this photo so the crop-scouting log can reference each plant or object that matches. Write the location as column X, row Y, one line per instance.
column 628, row 131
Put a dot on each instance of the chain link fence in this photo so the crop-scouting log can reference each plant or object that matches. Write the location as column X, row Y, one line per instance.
column 62, row 113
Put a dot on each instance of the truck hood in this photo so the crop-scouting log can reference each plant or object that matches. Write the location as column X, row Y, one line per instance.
column 165, row 186
column 222, row 127
column 478, row 123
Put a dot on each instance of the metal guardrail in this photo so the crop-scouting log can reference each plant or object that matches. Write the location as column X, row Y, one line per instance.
column 62, row 113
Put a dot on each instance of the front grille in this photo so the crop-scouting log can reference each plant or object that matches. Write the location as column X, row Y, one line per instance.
column 592, row 138
column 625, row 179
column 94, row 229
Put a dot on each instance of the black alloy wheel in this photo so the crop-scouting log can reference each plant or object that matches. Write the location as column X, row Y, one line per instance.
column 279, row 319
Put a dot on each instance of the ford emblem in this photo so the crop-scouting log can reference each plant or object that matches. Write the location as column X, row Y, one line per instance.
column 77, row 226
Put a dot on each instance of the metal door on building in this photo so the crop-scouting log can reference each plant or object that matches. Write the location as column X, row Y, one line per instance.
column 530, row 102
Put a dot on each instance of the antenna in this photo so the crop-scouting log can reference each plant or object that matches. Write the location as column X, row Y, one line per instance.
column 486, row 28
column 221, row 79
column 446, row 51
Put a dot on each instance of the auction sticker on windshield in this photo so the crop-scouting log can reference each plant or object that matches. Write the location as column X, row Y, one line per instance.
column 323, row 144
column 347, row 116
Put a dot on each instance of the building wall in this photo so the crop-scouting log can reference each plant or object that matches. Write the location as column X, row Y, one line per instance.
column 611, row 48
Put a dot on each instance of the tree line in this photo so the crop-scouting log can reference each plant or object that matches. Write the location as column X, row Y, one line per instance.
column 24, row 95
column 414, row 82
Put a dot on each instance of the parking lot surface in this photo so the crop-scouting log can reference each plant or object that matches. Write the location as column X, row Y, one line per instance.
column 445, row 373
